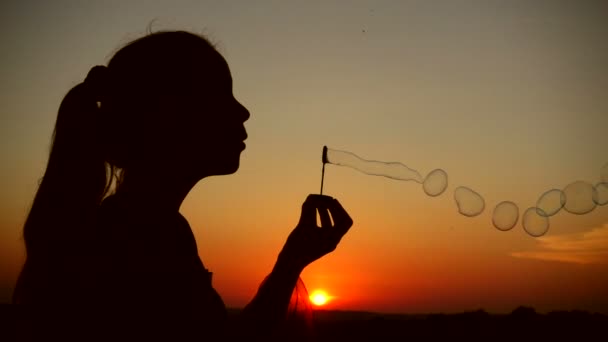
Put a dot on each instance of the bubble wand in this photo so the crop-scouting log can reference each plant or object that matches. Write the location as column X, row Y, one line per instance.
column 324, row 160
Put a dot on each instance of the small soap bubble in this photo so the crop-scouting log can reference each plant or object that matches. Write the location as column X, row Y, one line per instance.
column 600, row 196
column 468, row 201
column 505, row 215
column 579, row 198
column 551, row 202
column 435, row 182
column 534, row 224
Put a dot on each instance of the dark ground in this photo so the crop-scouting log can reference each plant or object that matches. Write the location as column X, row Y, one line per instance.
column 523, row 324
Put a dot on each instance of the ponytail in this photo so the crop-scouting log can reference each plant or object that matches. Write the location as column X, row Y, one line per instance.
column 74, row 183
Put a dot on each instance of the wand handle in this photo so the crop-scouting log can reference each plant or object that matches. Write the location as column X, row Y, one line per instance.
column 324, row 161
column 322, row 176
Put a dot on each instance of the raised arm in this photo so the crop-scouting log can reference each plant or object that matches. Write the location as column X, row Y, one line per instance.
column 306, row 243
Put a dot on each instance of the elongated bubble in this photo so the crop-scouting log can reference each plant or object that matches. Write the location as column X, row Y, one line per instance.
column 468, row 201
column 551, row 202
column 505, row 215
column 579, row 198
column 600, row 196
column 394, row 170
column 435, row 182
column 534, row 224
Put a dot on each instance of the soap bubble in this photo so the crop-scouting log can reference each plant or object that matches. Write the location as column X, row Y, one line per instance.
column 394, row 170
column 535, row 224
column 435, row 182
column 551, row 202
column 579, row 197
column 505, row 215
column 600, row 196
column 468, row 201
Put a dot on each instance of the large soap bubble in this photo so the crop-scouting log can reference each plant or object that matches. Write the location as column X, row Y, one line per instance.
column 505, row 215
column 435, row 182
column 579, row 197
column 394, row 170
column 551, row 202
column 534, row 223
column 468, row 201
column 600, row 196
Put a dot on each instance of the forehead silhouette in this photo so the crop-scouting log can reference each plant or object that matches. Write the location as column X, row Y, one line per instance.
column 166, row 62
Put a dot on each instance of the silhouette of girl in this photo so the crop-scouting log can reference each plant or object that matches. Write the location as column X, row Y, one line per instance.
column 104, row 237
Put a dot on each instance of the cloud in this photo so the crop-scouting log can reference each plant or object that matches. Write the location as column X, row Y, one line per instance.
column 582, row 248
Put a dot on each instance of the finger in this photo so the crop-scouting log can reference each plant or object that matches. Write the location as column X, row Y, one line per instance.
column 339, row 213
column 309, row 210
column 317, row 197
column 319, row 200
column 342, row 221
column 309, row 213
column 324, row 216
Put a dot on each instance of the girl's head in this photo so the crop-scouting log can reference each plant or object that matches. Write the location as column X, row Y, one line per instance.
column 163, row 107
column 166, row 100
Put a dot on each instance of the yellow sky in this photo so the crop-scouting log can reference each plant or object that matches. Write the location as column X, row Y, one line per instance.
column 507, row 97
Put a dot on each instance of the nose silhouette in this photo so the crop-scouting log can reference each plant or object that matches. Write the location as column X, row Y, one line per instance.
column 244, row 113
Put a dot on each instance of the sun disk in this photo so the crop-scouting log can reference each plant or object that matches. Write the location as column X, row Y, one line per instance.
column 319, row 298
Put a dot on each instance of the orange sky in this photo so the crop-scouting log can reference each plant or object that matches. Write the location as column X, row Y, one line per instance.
column 507, row 97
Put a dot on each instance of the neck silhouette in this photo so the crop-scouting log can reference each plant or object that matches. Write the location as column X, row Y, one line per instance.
column 164, row 190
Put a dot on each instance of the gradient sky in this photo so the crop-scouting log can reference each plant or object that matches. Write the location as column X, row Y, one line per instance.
column 509, row 97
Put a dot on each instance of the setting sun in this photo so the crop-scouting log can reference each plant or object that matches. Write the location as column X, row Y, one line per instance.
column 319, row 298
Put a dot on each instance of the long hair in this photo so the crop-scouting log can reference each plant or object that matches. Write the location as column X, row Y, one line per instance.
column 95, row 141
